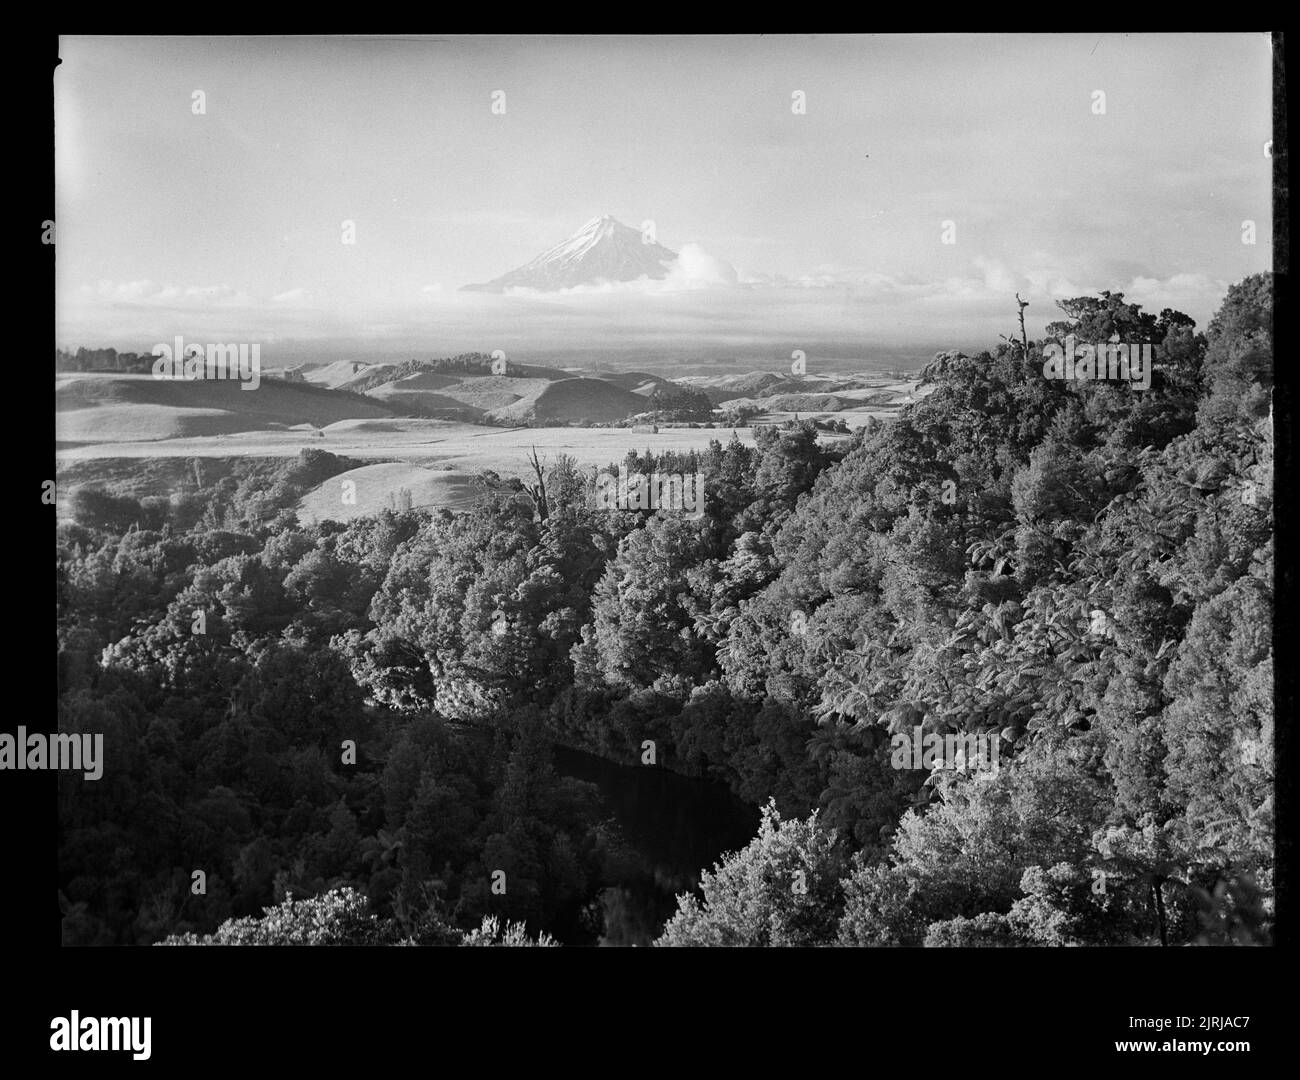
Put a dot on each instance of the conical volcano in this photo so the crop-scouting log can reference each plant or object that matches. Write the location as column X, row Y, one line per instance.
column 602, row 250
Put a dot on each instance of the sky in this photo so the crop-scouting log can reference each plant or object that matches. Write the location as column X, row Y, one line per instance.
column 809, row 182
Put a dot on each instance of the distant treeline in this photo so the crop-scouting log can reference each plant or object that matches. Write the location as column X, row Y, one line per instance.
column 103, row 360
column 464, row 364
column 679, row 404
column 142, row 363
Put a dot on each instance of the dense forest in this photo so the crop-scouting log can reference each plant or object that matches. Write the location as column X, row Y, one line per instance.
column 348, row 728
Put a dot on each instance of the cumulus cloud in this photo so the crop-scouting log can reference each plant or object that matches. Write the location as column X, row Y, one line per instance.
column 1033, row 277
column 996, row 274
column 1198, row 295
column 695, row 267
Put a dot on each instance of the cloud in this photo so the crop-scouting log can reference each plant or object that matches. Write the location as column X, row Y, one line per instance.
column 146, row 291
column 1198, row 295
column 695, row 267
column 703, row 303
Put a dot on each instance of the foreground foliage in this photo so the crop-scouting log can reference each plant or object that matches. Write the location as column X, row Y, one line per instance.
column 1080, row 571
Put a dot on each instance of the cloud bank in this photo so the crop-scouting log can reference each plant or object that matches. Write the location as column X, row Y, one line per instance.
column 703, row 302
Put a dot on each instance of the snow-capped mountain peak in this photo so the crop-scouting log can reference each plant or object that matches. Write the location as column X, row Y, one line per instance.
column 604, row 249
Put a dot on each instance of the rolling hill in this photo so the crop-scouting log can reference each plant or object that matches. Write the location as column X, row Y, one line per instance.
column 94, row 407
column 639, row 382
column 569, row 400
column 386, row 485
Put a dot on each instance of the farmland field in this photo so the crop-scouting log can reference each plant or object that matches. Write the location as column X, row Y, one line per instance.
column 114, row 416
